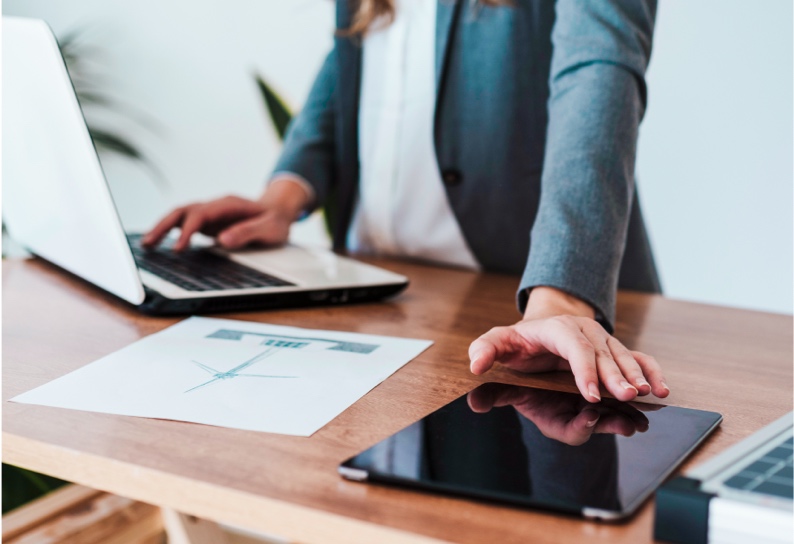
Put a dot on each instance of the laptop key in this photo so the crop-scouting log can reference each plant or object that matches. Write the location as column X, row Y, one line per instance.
column 740, row 481
column 762, row 466
column 201, row 270
column 785, row 472
column 776, row 489
column 779, row 453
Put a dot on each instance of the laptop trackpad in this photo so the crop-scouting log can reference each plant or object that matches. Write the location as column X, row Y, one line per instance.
column 309, row 266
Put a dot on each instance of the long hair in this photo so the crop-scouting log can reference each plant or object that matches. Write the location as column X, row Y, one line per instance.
column 365, row 12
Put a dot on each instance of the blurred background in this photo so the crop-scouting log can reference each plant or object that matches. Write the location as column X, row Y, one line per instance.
column 178, row 98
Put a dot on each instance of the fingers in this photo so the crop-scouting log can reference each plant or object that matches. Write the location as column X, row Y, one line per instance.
column 615, row 423
column 527, row 346
column 621, row 418
column 490, row 395
column 646, row 407
column 561, row 416
column 628, row 365
column 490, row 347
column 582, row 427
column 652, row 371
column 192, row 222
column 480, row 401
column 571, row 429
column 578, row 343
column 608, row 370
column 155, row 236
column 262, row 229
column 568, row 341
column 212, row 217
column 208, row 216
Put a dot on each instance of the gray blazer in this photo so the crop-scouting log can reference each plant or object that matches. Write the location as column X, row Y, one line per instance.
column 536, row 127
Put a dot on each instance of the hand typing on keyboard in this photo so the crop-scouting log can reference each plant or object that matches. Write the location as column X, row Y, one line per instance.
column 200, row 269
column 234, row 221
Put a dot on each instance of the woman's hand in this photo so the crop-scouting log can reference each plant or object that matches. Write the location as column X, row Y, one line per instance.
column 558, row 332
column 234, row 221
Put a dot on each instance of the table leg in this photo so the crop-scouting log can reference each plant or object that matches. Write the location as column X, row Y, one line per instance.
column 184, row 529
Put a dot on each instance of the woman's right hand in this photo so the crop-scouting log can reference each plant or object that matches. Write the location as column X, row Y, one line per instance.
column 235, row 222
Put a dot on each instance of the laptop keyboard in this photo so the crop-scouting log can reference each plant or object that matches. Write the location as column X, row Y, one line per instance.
column 199, row 269
column 769, row 475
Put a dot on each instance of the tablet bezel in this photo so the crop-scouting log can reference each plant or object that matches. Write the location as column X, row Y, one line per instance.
column 351, row 472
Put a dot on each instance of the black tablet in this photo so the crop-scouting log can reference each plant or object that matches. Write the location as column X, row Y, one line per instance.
column 539, row 448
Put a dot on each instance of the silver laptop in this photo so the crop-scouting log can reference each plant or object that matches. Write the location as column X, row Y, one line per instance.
column 757, row 470
column 745, row 494
column 57, row 204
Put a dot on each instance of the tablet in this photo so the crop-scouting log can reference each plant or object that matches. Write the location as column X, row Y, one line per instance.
column 540, row 449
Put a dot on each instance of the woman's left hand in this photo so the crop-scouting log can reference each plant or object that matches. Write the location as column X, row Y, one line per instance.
column 558, row 334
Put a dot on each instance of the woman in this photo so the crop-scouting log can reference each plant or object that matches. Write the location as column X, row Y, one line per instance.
column 452, row 130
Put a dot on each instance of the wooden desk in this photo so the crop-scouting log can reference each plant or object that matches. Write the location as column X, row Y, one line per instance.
column 735, row 362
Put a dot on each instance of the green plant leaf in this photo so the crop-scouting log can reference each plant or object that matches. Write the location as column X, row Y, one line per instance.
column 112, row 142
column 91, row 97
column 84, row 64
column 280, row 114
column 21, row 486
column 107, row 141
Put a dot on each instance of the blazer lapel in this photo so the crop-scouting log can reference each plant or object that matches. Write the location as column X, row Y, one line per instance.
column 343, row 193
column 446, row 14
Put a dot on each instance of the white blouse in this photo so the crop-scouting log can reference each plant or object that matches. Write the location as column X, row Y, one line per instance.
column 402, row 207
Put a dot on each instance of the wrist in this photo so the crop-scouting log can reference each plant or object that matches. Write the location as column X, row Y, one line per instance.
column 286, row 195
column 549, row 302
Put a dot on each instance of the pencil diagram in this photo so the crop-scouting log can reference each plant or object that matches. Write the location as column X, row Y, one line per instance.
column 219, row 375
column 275, row 344
column 297, row 342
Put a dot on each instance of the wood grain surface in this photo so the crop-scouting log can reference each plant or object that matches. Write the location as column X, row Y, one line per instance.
column 735, row 362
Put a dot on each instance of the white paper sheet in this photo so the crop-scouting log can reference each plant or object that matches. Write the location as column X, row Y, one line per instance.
column 235, row 374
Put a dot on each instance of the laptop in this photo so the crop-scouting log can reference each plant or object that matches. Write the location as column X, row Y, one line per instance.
column 57, row 204
column 745, row 494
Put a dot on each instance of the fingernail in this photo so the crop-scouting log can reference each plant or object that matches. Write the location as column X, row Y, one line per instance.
column 642, row 383
column 665, row 386
column 626, row 385
column 475, row 358
column 593, row 390
column 593, row 418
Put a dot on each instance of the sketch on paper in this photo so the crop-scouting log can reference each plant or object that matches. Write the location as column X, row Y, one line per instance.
column 218, row 375
column 275, row 344
column 297, row 342
column 278, row 379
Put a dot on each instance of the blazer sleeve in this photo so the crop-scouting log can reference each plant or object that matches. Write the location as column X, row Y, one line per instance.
column 309, row 147
column 597, row 98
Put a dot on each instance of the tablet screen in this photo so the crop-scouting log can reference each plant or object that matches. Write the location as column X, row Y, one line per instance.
column 539, row 448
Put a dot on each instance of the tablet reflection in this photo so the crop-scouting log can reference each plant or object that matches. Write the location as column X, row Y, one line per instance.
column 565, row 417
column 546, row 446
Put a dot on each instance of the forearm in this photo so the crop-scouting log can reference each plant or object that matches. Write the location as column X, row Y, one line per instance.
column 597, row 99
column 578, row 238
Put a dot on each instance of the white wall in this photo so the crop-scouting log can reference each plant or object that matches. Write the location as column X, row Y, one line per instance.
column 715, row 159
column 187, row 65
column 715, row 156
